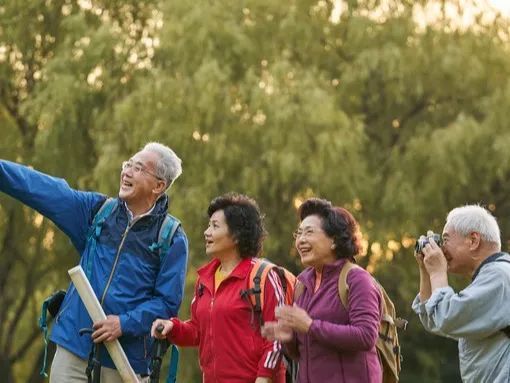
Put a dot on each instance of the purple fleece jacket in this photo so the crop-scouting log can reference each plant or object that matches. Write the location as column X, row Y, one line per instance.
column 340, row 345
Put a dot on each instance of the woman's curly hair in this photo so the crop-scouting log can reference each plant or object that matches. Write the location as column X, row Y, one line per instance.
column 244, row 221
column 337, row 222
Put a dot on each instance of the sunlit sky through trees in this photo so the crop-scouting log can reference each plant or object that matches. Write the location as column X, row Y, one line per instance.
column 502, row 5
column 427, row 14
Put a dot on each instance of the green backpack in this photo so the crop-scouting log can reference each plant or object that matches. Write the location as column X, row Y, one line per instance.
column 388, row 346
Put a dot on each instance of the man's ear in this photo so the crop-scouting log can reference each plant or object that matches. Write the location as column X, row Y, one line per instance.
column 160, row 187
column 474, row 240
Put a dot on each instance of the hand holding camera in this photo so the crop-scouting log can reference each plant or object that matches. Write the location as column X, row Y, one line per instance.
column 421, row 243
column 428, row 253
column 425, row 239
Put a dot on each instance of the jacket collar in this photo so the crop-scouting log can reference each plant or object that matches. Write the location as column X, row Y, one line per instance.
column 331, row 270
column 206, row 272
column 492, row 258
column 159, row 208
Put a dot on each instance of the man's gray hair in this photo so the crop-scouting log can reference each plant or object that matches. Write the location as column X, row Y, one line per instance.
column 474, row 218
column 169, row 166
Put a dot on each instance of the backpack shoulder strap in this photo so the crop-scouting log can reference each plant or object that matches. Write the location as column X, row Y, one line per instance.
column 43, row 326
column 166, row 234
column 505, row 330
column 102, row 214
column 343, row 287
column 496, row 257
column 50, row 305
column 257, row 282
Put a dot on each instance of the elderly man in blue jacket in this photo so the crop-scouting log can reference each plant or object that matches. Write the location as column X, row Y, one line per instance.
column 133, row 281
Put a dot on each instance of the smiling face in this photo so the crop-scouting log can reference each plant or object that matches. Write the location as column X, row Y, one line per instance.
column 457, row 249
column 219, row 243
column 138, row 184
column 313, row 244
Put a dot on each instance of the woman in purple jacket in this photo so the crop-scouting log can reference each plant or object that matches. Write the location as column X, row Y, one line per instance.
column 332, row 343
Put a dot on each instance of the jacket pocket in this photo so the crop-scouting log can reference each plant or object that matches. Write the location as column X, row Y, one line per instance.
column 135, row 347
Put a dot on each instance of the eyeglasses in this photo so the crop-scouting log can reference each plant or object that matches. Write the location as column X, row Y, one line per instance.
column 138, row 168
column 307, row 233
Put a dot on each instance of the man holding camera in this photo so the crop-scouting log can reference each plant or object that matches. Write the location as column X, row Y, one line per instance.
column 478, row 316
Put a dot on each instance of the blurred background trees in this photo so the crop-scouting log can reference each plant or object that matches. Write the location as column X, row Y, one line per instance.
column 395, row 109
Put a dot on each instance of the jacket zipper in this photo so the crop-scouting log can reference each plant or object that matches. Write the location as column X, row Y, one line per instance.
column 211, row 332
column 128, row 227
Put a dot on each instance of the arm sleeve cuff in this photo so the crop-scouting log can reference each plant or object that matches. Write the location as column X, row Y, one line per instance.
column 124, row 328
column 265, row 372
column 175, row 331
column 418, row 306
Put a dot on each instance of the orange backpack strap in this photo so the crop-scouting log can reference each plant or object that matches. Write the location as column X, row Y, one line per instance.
column 343, row 287
column 254, row 294
column 257, row 282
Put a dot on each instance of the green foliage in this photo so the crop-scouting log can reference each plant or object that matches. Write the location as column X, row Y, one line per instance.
column 395, row 122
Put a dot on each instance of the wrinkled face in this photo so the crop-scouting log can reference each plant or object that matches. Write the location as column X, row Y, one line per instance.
column 138, row 180
column 313, row 244
column 218, row 240
column 456, row 249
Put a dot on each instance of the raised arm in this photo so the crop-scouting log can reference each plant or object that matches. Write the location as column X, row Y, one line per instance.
column 478, row 311
column 71, row 210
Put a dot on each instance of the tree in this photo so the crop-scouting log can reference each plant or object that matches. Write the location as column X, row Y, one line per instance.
column 396, row 122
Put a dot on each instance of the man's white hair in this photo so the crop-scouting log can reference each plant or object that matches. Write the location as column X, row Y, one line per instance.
column 474, row 218
column 169, row 166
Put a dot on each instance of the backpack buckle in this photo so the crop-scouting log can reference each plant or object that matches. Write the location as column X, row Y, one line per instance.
column 401, row 323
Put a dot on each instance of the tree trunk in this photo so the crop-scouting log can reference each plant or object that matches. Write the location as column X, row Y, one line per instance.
column 6, row 370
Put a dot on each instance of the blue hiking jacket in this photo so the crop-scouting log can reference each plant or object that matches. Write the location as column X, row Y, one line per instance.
column 130, row 280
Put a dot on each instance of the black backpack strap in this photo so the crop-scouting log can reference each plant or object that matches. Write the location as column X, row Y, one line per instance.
column 257, row 290
column 496, row 257
column 506, row 330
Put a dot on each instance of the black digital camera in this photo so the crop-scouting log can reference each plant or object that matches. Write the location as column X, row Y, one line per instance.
column 423, row 240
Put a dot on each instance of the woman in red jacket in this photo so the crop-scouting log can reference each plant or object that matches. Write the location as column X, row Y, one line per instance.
column 222, row 325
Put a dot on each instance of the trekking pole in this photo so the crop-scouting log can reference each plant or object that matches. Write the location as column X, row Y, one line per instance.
column 158, row 351
column 93, row 369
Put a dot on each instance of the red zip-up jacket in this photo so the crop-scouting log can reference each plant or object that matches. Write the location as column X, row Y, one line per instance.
column 231, row 349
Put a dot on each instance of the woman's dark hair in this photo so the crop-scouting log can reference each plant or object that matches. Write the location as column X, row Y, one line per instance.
column 337, row 223
column 244, row 221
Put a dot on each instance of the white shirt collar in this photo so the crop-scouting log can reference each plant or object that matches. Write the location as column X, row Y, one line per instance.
column 131, row 215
